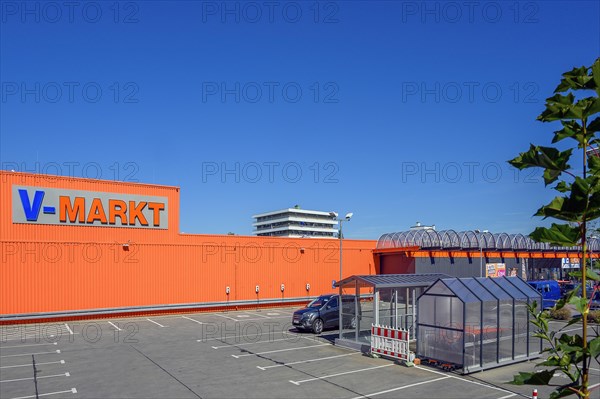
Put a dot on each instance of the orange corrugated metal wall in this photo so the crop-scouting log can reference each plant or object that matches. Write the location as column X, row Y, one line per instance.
column 64, row 268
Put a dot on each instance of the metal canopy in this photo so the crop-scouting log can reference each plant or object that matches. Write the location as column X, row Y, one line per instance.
column 469, row 240
column 393, row 280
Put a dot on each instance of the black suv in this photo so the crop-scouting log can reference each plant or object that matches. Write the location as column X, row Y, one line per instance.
column 323, row 313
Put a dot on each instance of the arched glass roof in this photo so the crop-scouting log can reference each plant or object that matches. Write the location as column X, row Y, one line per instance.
column 450, row 239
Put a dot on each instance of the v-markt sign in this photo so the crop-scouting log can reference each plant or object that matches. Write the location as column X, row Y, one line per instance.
column 40, row 205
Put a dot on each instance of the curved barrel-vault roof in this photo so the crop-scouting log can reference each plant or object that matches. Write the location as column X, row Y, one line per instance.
column 469, row 240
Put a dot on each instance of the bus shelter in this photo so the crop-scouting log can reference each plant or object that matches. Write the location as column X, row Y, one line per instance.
column 384, row 299
column 477, row 323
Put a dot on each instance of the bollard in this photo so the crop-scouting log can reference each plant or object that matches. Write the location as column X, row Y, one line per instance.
column 534, row 394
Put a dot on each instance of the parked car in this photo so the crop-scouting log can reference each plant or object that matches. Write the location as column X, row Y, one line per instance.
column 323, row 313
column 550, row 291
column 567, row 286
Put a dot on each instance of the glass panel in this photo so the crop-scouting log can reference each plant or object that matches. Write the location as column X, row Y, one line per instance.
column 426, row 309
column 490, row 332
column 478, row 290
column 387, row 310
column 506, row 329
column 521, row 325
column 473, row 332
column 366, row 315
column 448, row 312
column 439, row 344
column 439, row 288
column 348, row 324
column 509, row 288
column 494, row 288
column 460, row 290
column 526, row 288
column 456, row 313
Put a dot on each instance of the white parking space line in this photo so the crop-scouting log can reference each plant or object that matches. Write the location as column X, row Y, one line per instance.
column 273, row 314
column 338, row 374
column 158, row 324
column 306, row 361
column 39, row 377
column 112, row 324
column 402, row 387
column 72, row 390
column 29, row 364
column 69, row 329
column 251, row 319
column 34, row 337
column 260, row 315
column 29, row 354
column 227, row 317
column 189, row 318
column 279, row 350
column 464, row 379
column 252, row 343
column 253, row 336
column 243, row 315
column 24, row 346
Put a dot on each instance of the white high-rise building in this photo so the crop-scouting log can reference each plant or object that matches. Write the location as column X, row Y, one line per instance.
column 295, row 222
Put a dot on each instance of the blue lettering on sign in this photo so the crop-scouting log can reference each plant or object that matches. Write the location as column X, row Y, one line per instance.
column 32, row 210
column 50, row 209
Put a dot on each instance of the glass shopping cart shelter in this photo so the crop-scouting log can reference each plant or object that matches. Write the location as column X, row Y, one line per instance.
column 477, row 323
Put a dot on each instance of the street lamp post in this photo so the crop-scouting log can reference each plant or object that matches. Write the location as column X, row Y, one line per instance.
column 334, row 215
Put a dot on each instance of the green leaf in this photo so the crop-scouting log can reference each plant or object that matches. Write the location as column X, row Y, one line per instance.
column 563, row 187
column 593, row 164
column 537, row 378
column 594, row 126
column 589, row 273
column 551, row 361
column 565, row 299
column 553, row 161
column 558, row 234
column 587, row 107
column 579, row 303
column 571, row 129
column 594, row 347
column 596, row 75
column 563, row 392
column 560, row 107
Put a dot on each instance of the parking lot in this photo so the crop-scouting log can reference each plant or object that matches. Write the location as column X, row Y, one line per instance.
column 253, row 354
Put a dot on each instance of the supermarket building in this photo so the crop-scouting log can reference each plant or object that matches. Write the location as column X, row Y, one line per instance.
column 74, row 248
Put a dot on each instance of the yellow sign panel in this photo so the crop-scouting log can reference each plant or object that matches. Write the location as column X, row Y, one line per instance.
column 495, row 269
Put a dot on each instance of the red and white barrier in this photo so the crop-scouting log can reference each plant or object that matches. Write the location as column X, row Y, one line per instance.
column 391, row 342
column 534, row 394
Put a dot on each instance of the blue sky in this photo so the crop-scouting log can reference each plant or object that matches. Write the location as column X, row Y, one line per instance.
column 396, row 111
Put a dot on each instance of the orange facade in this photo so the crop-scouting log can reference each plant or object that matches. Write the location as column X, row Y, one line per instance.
column 81, row 266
